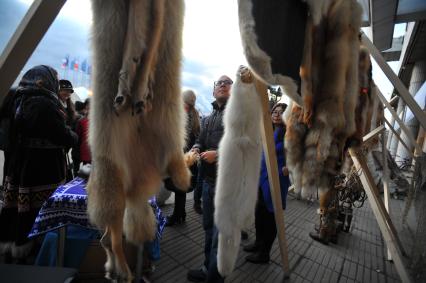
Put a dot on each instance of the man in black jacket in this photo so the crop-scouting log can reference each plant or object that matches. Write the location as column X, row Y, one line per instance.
column 207, row 145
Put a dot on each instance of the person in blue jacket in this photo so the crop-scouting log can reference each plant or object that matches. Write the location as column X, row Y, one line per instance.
column 266, row 230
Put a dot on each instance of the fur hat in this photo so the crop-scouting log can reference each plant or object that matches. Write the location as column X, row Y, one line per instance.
column 189, row 97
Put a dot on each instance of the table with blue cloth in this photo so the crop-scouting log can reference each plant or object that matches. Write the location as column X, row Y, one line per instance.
column 64, row 216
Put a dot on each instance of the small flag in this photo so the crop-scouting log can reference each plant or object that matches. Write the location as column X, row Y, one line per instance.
column 65, row 62
column 83, row 66
column 75, row 64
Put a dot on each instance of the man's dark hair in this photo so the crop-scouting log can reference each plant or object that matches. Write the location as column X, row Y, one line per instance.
column 79, row 106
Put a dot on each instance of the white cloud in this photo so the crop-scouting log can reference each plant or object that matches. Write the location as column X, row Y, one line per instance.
column 211, row 36
column 78, row 11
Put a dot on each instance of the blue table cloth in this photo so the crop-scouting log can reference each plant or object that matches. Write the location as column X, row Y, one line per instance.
column 67, row 206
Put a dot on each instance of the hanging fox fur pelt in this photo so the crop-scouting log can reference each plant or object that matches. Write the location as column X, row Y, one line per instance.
column 136, row 119
column 317, row 131
column 238, row 169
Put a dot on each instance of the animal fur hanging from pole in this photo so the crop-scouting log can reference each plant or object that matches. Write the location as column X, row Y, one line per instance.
column 238, row 168
column 317, row 132
column 136, row 119
column 317, row 39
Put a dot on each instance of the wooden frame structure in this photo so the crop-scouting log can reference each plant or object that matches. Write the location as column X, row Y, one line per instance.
column 380, row 209
column 41, row 15
column 273, row 178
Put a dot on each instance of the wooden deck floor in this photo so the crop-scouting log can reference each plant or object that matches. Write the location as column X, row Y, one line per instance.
column 359, row 255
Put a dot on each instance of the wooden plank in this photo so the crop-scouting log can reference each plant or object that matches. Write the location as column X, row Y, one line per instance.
column 271, row 164
column 399, row 138
column 400, row 122
column 382, row 217
column 394, row 100
column 60, row 251
column 139, row 264
column 373, row 133
column 385, row 179
column 393, row 78
column 29, row 33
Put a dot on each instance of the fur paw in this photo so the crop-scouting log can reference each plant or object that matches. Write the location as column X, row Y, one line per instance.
column 190, row 158
column 138, row 107
column 124, row 275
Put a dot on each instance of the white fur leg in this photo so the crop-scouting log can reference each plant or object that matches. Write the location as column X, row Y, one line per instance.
column 110, row 263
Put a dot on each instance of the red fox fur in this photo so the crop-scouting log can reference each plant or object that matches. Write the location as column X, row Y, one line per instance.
column 316, row 133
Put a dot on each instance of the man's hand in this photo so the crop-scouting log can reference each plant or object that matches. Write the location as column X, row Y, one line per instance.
column 209, row 156
column 285, row 171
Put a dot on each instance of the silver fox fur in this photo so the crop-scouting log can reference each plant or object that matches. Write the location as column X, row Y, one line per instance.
column 132, row 152
column 238, row 170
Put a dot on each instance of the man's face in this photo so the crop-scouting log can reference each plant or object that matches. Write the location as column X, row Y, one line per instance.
column 222, row 89
column 64, row 94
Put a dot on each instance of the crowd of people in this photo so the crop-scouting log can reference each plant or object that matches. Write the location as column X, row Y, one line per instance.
column 41, row 127
column 206, row 145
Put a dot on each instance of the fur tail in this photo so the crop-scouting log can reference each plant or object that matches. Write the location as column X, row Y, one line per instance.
column 227, row 252
column 139, row 219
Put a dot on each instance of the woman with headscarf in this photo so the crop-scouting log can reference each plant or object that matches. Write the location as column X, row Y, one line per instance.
column 38, row 136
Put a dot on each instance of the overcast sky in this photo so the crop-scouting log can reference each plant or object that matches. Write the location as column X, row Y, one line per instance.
column 212, row 44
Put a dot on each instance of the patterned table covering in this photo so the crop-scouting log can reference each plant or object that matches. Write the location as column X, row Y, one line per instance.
column 67, row 205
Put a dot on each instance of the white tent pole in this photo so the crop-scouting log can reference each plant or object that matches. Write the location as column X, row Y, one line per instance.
column 27, row 36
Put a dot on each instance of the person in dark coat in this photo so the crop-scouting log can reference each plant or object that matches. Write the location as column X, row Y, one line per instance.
column 82, row 131
column 6, row 116
column 38, row 136
column 207, row 145
column 266, row 230
column 72, row 117
column 192, row 132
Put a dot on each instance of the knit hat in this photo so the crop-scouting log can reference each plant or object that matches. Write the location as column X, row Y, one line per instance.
column 189, row 97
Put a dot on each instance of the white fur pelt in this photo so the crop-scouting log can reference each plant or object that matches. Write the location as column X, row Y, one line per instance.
column 238, row 171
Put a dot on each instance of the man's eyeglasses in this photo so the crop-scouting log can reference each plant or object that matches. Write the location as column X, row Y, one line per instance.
column 277, row 113
column 223, row 82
